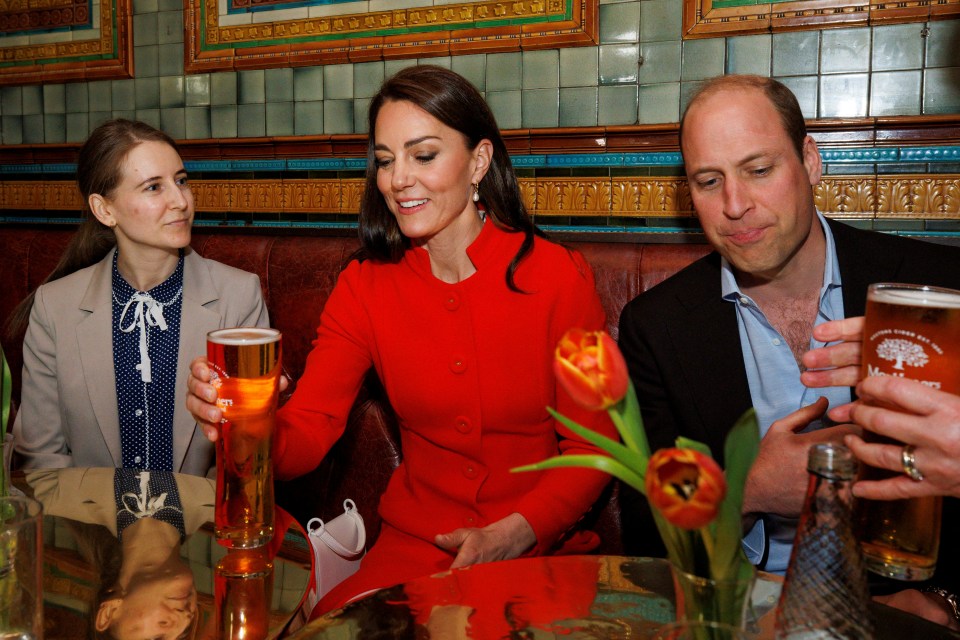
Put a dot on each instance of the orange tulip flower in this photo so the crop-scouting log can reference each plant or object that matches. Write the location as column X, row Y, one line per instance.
column 686, row 486
column 591, row 368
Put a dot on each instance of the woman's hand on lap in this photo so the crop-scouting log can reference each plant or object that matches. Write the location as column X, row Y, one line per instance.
column 505, row 539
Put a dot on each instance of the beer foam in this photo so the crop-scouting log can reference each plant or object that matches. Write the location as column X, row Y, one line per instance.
column 919, row 297
column 243, row 335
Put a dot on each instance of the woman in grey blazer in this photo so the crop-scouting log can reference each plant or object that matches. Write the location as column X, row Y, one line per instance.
column 111, row 332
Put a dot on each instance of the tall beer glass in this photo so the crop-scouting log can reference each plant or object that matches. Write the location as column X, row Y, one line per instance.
column 911, row 331
column 246, row 371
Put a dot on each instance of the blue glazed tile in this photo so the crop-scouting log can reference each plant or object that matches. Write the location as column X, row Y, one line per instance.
column 860, row 155
column 219, row 166
column 525, row 162
column 58, row 167
column 930, row 154
column 21, row 169
column 355, row 163
column 318, row 164
column 666, row 159
column 258, row 165
column 585, row 160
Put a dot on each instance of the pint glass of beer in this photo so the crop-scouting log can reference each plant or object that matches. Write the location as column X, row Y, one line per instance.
column 246, row 372
column 243, row 590
column 911, row 331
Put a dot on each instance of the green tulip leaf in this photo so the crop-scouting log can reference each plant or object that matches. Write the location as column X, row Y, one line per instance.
column 600, row 463
column 630, row 459
column 739, row 452
column 696, row 445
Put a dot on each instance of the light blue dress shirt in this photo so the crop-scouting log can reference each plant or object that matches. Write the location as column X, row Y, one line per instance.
column 775, row 388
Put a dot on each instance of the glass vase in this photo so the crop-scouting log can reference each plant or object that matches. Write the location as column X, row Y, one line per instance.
column 701, row 599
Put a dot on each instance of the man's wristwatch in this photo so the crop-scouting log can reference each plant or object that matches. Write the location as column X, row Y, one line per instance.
column 951, row 599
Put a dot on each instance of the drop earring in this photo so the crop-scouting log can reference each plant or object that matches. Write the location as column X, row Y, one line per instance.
column 476, row 192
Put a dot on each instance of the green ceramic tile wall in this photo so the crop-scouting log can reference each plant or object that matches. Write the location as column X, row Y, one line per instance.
column 640, row 72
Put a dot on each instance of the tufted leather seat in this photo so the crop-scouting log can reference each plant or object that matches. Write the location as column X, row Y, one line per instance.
column 297, row 273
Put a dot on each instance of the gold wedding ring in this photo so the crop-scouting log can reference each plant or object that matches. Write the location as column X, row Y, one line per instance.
column 910, row 463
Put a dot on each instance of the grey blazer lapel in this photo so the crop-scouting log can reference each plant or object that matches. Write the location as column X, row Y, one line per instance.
column 195, row 321
column 95, row 345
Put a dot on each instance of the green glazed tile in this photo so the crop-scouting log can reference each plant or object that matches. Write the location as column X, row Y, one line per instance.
column 32, row 96
column 941, row 93
column 895, row 93
column 124, row 95
column 145, row 29
column 796, row 53
column 506, row 108
column 897, row 47
column 845, row 50
column 279, row 84
column 579, row 67
column 807, row 91
column 54, row 128
column 33, row 129
column 223, row 121
column 440, row 61
column 844, row 95
column 170, row 27
column 171, row 92
column 659, row 103
column 749, row 54
column 661, row 20
column 54, row 98
column 147, row 93
column 170, row 5
column 338, row 84
column 361, row 108
column 173, row 123
column 171, row 59
column 702, row 59
column 197, row 123
column 541, row 69
column 943, row 43
column 150, row 116
column 505, row 73
column 145, row 6
column 197, row 90
column 308, row 118
column 223, row 88
column 250, row 87
column 620, row 23
column 659, row 62
column 11, row 101
column 307, row 84
column 619, row 64
column 687, row 91
column 11, row 129
column 251, row 120
column 578, row 107
column 100, row 96
column 78, row 125
column 126, row 114
column 540, row 108
column 97, row 118
column 337, row 116
column 390, row 67
column 618, row 105
column 473, row 68
column 367, row 78
column 146, row 61
column 280, row 118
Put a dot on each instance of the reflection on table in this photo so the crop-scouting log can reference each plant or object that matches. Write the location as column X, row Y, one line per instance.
column 88, row 572
column 568, row 597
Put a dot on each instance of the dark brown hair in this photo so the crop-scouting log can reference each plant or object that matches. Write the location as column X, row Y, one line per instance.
column 780, row 97
column 455, row 102
column 99, row 171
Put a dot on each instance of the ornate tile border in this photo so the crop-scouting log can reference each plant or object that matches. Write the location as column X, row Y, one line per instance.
column 425, row 31
column 106, row 54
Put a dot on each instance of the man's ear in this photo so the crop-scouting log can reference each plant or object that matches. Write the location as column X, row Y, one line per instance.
column 812, row 161
column 107, row 613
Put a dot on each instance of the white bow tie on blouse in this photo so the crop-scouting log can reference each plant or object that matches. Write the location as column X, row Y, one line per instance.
column 147, row 311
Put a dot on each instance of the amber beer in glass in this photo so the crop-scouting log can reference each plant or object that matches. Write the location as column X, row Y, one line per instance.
column 246, row 372
column 911, row 331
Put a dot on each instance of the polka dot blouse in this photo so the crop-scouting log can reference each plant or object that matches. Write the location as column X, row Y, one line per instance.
column 146, row 342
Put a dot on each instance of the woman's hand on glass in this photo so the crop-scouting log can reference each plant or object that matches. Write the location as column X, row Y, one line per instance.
column 503, row 540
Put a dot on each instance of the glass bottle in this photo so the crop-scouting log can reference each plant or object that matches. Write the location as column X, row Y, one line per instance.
column 825, row 593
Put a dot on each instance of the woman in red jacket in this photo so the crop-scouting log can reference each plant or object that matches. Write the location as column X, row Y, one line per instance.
column 458, row 303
